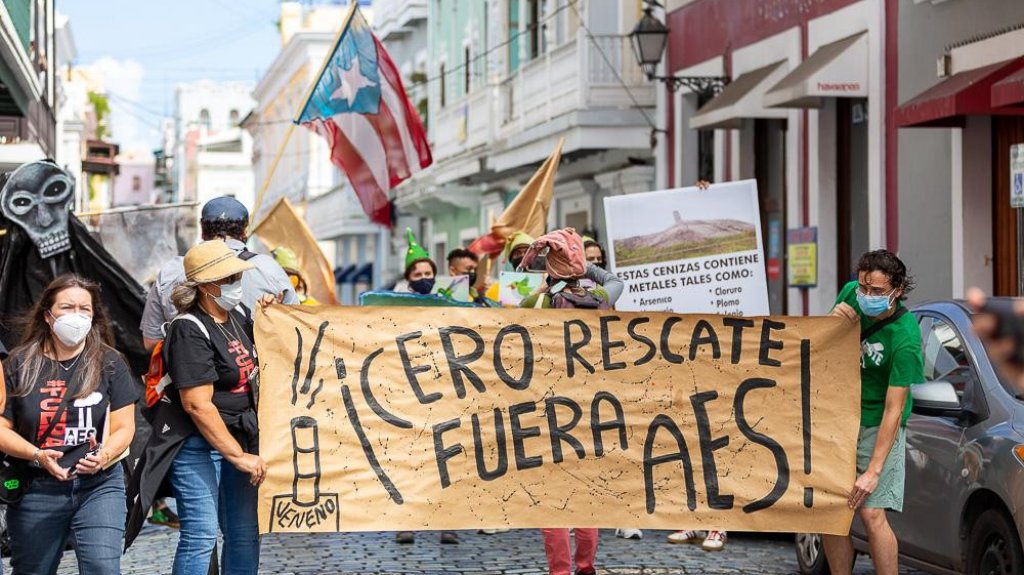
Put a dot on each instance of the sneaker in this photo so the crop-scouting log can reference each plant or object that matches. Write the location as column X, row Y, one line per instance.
column 715, row 541
column 405, row 537
column 493, row 531
column 634, row 534
column 449, row 538
column 586, row 572
column 684, row 537
column 165, row 517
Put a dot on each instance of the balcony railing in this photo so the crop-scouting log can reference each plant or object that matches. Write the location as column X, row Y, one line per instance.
column 580, row 75
column 393, row 16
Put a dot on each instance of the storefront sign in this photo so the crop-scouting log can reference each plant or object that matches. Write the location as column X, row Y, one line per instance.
column 689, row 250
column 453, row 418
column 1017, row 176
column 803, row 257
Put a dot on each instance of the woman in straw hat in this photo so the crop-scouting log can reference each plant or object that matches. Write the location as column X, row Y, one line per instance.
column 210, row 358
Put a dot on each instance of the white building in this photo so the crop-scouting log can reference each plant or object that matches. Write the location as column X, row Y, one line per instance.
column 305, row 174
column 209, row 147
column 72, row 108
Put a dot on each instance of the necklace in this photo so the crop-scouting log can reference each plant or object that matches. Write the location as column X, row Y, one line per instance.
column 234, row 334
column 69, row 367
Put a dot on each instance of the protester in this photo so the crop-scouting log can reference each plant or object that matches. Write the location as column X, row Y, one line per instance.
column 515, row 248
column 211, row 361
column 595, row 252
column 1000, row 326
column 223, row 218
column 289, row 262
column 891, row 362
column 69, row 413
column 462, row 262
column 420, row 270
column 565, row 265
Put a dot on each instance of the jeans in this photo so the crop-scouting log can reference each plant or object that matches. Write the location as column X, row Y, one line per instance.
column 90, row 508
column 559, row 553
column 210, row 492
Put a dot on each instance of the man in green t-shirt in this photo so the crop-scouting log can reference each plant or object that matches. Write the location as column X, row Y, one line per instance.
column 890, row 363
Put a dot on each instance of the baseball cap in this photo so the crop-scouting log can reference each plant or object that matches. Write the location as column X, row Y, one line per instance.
column 224, row 208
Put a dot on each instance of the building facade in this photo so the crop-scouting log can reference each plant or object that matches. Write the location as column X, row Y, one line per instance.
column 28, row 88
column 806, row 113
column 960, row 113
column 305, row 174
column 506, row 79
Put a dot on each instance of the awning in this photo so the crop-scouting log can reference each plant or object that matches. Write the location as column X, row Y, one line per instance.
column 341, row 274
column 363, row 275
column 1009, row 91
column 946, row 104
column 740, row 100
column 836, row 70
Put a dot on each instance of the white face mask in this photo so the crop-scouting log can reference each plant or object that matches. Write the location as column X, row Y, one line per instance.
column 230, row 296
column 72, row 329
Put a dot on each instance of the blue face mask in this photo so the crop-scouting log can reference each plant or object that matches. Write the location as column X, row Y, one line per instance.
column 874, row 305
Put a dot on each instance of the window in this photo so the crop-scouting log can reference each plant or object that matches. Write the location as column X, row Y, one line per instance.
column 945, row 357
column 534, row 30
column 440, row 251
column 204, row 118
column 233, row 119
column 705, row 145
column 513, row 35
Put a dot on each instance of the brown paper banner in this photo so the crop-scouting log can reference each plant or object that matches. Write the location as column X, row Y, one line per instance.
column 453, row 418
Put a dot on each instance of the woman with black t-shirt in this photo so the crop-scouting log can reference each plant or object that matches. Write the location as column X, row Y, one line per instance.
column 211, row 360
column 70, row 412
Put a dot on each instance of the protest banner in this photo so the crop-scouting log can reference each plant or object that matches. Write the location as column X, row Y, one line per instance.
column 448, row 418
column 689, row 250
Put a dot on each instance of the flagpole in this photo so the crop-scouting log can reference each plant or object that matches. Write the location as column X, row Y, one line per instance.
column 302, row 108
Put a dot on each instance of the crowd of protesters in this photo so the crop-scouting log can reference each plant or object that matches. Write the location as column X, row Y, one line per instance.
column 204, row 450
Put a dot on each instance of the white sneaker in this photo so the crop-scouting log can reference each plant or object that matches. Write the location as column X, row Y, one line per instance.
column 493, row 531
column 634, row 534
column 715, row 541
column 684, row 537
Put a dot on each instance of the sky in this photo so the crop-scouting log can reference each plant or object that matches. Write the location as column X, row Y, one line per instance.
column 144, row 48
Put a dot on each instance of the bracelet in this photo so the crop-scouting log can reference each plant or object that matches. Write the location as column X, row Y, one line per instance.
column 35, row 458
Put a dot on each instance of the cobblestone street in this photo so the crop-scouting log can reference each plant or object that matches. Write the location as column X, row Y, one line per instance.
column 514, row 553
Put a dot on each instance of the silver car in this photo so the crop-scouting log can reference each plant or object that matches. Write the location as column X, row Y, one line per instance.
column 963, row 510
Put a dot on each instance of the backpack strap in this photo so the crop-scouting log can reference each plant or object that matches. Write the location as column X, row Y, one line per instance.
column 187, row 317
column 872, row 330
column 246, row 255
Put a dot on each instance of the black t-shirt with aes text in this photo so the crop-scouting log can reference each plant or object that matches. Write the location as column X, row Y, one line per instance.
column 225, row 359
column 83, row 417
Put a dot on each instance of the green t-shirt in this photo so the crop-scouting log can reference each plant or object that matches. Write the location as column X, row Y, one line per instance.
column 890, row 357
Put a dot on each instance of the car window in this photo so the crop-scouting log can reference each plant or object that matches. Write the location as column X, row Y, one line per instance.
column 945, row 356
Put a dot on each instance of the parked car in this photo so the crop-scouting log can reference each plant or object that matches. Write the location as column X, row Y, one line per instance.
column 963, row 510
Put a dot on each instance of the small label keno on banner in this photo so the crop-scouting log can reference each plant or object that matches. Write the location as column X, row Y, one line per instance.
column 455, row 418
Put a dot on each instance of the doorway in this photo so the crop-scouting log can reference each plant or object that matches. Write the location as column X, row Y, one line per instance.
column 1006, row 224
column 852, row 238
column 770, row 173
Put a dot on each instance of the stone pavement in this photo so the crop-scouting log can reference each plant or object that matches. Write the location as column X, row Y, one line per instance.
column 514, row 553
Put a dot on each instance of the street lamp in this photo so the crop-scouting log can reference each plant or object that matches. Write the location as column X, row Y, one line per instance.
column 649, row 38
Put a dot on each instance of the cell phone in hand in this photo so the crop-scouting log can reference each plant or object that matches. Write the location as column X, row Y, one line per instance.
column 72, row 456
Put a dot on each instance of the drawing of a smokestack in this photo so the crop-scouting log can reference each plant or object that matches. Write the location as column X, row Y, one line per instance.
column 678, row 217
column 305, row 461
column 305, row 509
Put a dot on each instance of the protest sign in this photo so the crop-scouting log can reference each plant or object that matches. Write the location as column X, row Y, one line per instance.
column 448, row 418
column 452, row 287
column 517, row 286
column 689, row 250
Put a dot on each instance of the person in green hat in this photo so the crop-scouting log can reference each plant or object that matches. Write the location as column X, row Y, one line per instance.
column 515, row 248
column 288, row 261
column 420, row 270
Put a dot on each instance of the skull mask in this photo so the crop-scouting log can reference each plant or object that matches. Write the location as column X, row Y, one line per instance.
column 36, row 197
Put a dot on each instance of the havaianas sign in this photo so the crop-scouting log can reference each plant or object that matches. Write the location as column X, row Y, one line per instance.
column 456, row 418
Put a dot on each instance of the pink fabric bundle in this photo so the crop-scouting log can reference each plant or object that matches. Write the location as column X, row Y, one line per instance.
column 565, row 259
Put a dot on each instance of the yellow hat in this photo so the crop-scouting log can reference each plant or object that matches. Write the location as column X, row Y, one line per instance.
column 211, row 261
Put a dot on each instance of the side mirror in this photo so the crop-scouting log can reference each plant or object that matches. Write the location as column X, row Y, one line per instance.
column 935, row 398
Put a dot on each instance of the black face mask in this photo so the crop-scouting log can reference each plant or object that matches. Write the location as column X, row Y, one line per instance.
column 601, row 264
column 423, row 286
column 472, row 278
column 515, row 263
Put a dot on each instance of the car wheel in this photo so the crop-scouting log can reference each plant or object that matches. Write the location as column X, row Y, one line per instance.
column 993, row 547
column 810, row 555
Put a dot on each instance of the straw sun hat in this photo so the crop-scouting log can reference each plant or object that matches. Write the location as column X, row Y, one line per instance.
column 211, row 261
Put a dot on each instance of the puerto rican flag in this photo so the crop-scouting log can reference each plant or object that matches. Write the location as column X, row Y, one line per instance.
column 359, row 105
